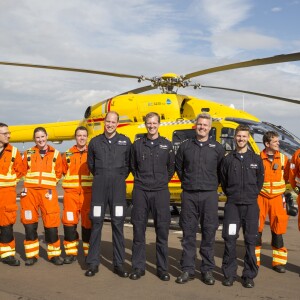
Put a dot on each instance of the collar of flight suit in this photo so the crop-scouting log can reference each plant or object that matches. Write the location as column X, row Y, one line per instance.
column 113, row 140
column 208, row 142
column 74, row 149
column 245, row 154
column 7, row 147
column 159, row 139
column 264, row 155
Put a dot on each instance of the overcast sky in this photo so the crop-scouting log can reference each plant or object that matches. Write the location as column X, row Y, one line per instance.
column 145, row 37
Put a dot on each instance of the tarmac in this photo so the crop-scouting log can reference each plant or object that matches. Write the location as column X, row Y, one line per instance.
column 47, row 281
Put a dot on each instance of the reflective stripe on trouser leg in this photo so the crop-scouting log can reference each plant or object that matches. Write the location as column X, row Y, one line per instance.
column 86, row 234
column 257, row 254
column 32, row 248
column 53, row 249
column 71, row 248
column 86, row 247
column 279, row 256
column 7, row 249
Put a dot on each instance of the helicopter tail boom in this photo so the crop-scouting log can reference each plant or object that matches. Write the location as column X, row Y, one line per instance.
column 57, row 132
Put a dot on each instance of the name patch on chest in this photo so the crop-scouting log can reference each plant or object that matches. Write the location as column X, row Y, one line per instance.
column 164, row 147
column 212, row 145
column 253, row 166
column 122, row 143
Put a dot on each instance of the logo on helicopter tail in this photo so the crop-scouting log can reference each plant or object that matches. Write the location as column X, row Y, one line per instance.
column 168, row 101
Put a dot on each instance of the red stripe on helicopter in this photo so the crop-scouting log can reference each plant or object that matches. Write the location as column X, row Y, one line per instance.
column 102, row 119
column 95, row 120
column 108, row 104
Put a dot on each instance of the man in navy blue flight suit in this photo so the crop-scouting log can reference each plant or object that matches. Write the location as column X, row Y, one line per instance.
column 197, row 165
column 242, row 177
column 108, row 160
column 153, row 165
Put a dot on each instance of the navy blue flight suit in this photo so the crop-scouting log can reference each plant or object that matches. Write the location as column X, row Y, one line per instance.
column 242, row 177
column 197, row 166
column 108, row 161
column 153, row 165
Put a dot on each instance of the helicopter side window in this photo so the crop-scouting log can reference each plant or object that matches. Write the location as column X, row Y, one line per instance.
column 257, row 135
column 227, row 139
column 181, row 135
column 288, row 142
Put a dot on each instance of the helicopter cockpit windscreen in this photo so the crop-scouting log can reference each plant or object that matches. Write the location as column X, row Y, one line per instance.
column 289, row 143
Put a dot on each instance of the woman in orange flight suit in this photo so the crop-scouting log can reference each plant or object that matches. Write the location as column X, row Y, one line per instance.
column 44, row 168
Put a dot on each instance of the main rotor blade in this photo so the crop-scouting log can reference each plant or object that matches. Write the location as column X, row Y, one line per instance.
column 253, row 93
column 250, row 63
column 135, row 91
column 139, row 90
column 69, row 69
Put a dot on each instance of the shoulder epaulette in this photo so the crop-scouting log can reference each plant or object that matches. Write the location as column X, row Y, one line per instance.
column 30, row 151
column 184, row 141
column 166, row 138
column 69, row 153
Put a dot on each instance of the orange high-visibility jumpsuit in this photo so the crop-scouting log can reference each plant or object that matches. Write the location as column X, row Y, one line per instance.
column 294, row 177
column 271, row 203
column 77, row 185
column 11, row 170
column 40, row 193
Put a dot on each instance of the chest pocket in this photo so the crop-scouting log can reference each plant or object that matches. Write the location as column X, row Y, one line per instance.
column 120, row 154
column 161, row 156
column 101, row 153
column 252, row 169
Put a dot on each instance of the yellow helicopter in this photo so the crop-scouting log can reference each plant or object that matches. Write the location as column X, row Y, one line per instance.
column 177, row 112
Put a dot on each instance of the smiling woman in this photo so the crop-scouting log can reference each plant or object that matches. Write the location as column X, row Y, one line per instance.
column 43, row 165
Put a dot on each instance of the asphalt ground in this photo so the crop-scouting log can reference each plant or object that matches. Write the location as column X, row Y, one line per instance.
column 46, row 281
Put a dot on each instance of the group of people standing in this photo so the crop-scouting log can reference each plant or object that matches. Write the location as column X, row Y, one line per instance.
column 94, row 179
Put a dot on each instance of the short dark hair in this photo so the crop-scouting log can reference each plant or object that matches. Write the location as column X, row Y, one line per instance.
column 37, row 129
column 3, row 125
column 151, row 115
column 242, row 128
column 81, row 128
column 112, row 112
column 268, row 136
